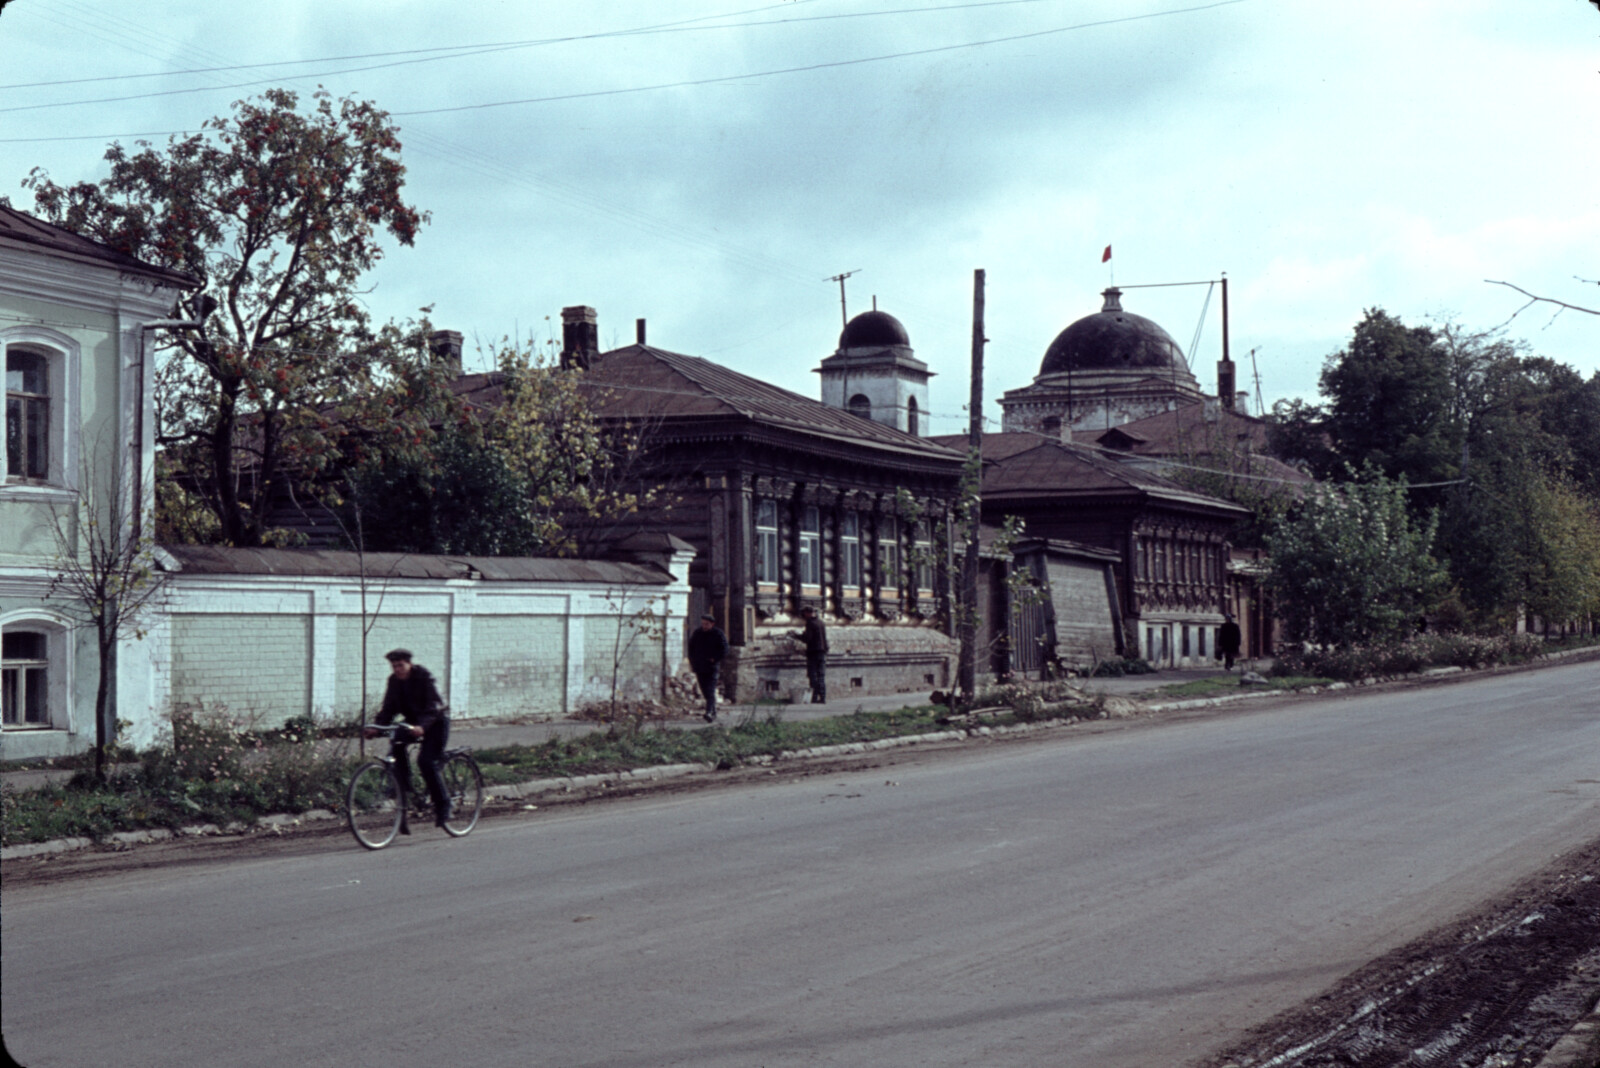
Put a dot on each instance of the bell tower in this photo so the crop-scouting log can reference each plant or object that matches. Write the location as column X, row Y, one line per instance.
column 875, row 375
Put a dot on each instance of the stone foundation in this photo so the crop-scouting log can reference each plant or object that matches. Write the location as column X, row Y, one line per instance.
column 862, row 659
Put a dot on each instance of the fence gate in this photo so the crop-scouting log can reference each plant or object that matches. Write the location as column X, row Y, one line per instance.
column 1028, row 635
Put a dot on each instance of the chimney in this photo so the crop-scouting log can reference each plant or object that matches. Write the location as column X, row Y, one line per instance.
column 580, row 337
column 638, row 331
column 446, row 348
column 1227, row 383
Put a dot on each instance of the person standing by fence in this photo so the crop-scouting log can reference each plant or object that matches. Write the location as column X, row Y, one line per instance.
column 707, row 647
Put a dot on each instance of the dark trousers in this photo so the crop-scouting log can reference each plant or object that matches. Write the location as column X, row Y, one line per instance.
column 434, row 738
column 1227, row 661
column 817, row 676
column 708, row 687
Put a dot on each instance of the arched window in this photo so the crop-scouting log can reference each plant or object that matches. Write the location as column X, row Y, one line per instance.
column 27, row 415
column 25, row 691
column 911, row 417
column 860, row 405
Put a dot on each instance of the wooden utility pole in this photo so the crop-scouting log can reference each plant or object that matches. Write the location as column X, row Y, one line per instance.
column 972, row 502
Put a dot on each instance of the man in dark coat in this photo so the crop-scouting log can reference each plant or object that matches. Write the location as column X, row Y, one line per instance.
column 707, row 646
column 412, row 696
column 815, row 638
column 1228, row 641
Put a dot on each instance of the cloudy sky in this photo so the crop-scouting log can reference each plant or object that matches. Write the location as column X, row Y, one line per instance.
column 707, row 165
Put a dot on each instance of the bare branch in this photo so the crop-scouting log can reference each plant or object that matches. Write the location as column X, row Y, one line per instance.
column 1536, row 299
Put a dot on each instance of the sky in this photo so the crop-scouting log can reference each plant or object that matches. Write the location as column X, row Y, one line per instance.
column 710, row 165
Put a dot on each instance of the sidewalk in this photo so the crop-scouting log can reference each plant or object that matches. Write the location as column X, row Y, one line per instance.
column 491, row 735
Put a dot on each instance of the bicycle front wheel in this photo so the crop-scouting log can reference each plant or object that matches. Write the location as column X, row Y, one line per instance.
column 374, row 805
column 463, row 784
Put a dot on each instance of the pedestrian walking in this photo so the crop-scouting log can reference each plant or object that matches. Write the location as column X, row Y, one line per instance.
column 815, row 638
column 707, row 647
column 1228, row 641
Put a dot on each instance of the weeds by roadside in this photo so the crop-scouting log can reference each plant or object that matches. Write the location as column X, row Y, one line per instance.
column 1407, row 657
column 208, row 768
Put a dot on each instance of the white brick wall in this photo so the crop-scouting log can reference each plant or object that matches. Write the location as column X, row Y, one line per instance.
column 259, row 668
column 272, row 647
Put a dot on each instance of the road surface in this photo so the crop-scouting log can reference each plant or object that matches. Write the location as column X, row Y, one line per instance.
column 1131, row 893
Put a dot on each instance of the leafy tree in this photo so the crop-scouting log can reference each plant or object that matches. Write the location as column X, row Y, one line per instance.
column 1390, row 401
column 1350, row 565
column 535, row 470
column 1297, row 433
column 281, row 213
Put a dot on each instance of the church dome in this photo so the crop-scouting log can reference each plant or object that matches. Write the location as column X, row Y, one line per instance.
column 1112, row 340
column 873, row 329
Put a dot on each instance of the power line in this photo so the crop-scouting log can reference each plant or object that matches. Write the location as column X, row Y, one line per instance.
column 590, row 94
column 809, row 67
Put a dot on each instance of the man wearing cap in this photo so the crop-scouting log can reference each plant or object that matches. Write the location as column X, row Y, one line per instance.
column 413, row 697
column 815, row 638
column 707, row 646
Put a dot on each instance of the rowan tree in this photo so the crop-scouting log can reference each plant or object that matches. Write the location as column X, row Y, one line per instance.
column 281, row 212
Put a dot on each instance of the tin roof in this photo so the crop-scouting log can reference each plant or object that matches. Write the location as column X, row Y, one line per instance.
column 299, row 563
column 24, row 232
column 1020, row 464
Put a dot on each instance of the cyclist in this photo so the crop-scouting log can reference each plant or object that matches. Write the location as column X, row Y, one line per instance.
column 413, row 697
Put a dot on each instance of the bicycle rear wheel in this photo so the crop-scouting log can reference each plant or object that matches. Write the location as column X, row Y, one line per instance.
column 374, row 805
column 463, row 784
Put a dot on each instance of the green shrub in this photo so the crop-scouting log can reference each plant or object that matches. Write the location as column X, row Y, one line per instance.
column 1412, row 655
column 1130, row 665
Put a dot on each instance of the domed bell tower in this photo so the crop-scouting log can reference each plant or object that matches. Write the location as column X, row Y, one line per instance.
column 875, row 375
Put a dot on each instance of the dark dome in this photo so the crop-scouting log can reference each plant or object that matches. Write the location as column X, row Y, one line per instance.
column 873, row 329
column 1111, row 340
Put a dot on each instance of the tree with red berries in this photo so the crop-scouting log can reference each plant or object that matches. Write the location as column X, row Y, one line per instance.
column 282, row 212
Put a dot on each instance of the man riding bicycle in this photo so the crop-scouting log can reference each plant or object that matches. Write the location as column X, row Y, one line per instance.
column 413, row 697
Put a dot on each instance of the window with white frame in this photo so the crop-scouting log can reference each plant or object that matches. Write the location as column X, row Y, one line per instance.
column 850, row 552
column 889, row 553
column 25, row 678
column 767, row 562
column 38, row 440
column 810, row 546
column 28, row 453
column 922, row 563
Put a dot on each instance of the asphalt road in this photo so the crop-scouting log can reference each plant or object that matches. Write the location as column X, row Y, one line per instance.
column 1134, row 893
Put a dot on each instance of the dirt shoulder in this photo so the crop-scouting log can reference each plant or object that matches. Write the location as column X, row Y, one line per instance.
column 1493, row 989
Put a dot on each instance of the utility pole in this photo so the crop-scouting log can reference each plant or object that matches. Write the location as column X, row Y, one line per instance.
column 972, row 504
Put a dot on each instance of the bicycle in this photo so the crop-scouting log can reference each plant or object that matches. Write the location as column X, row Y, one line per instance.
column 376, row 801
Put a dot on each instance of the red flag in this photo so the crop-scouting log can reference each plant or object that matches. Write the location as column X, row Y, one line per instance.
column 1105, row 257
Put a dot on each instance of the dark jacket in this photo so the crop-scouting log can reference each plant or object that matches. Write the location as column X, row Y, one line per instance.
column 414, row 699
column 814, row 637
column 706, row 649
column 1228, row 639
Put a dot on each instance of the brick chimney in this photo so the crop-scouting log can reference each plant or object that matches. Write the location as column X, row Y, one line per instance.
column 1227, row 384
column 580, row 337
column 446, row 348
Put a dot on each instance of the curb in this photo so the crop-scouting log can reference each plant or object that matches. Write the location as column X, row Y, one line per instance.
column 276, row 822
column 1576, row 1049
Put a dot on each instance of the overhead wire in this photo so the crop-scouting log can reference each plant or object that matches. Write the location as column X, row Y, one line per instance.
column 680, row 84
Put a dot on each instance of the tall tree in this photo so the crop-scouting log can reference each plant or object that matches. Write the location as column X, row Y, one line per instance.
column 1390, row 399
column 281, row 212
